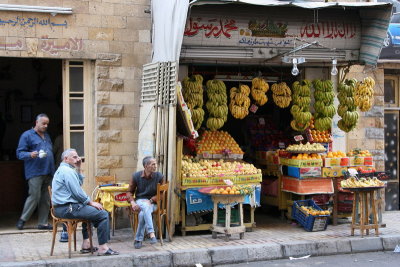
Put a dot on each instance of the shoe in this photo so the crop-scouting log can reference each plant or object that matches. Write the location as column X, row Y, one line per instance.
column 137, row 244
column 45, row 227
column 109, row 252
column 20, row 224
column 87, row 250
column 64, row 236
column 153, row 240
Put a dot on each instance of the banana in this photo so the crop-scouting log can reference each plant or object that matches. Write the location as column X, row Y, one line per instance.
column 364, row 94
column 258, row 89
column 193, row 95
column 216, row 105
column 348, row 105
column 240, row 101
column 301, row 105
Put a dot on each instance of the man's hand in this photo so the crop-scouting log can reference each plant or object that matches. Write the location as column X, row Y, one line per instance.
column 135, row 207
column 96, row 205
column 34, row 154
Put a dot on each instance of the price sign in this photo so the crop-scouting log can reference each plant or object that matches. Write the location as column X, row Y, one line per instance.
column 298, row 138
column 253, row 108
column 281, row 145
column 206, row 155
column 261, row 121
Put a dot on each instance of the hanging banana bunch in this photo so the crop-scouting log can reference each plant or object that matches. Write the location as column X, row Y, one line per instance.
column 364, row 94
column 259, row 88
column 347, row 108
column 216, row 104
column 193, row 95
column 300, row 109
column 240, row 101
column 281, row 94
column 323, row 106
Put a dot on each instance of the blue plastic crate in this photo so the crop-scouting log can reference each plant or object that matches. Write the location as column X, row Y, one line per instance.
column 309, row 222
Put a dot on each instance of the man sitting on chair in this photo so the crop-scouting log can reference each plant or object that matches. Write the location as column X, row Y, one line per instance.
column 71, row 202
column 144, row 187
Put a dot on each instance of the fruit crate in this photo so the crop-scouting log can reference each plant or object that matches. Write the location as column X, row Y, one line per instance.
column 310, row 222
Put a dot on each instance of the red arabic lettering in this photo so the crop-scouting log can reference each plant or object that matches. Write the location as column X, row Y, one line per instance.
column 213, row 27
column 330, row 30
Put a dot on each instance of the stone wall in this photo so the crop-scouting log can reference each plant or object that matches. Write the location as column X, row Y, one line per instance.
column 115, row 35
column 369, row 133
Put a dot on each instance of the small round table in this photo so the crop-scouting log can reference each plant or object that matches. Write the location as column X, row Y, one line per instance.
column 228, row 230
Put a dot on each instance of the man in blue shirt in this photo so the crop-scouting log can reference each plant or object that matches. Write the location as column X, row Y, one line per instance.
column 71, row 202
column 35, row 149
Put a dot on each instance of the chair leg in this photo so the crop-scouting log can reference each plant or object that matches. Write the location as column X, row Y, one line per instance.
column 112, row 221
column 70, row 232
column 89, row 226
column 159, row 218
column 168, row 229
column 135, row 223
column 54, row 237
column 75, row 226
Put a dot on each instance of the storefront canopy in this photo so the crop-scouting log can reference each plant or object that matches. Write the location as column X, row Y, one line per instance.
column 167, row 27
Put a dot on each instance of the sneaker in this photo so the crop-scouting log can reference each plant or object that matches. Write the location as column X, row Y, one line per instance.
column 153, row 240
column 45, row 227
column 137, row 244
column 64, row 236
column 20, row 224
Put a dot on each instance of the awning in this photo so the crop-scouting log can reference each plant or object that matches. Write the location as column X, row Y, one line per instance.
column 375, row 18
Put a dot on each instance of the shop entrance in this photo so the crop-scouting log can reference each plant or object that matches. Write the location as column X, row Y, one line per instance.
column 27, row 87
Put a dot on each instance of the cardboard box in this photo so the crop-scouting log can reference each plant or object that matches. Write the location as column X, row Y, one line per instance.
column 304, row 172
column 301, row 162
column 333, row 171
column 336, row 162
column 307, row 186
column 356, row 161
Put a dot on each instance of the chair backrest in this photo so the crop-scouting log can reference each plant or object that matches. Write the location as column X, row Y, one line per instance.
column 110, row 179
column 51, row 203
column 162, row 197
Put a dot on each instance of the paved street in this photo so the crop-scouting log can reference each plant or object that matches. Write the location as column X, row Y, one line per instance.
column 370, row 259
column 287, row 237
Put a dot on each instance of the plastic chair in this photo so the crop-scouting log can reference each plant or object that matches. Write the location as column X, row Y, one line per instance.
column 160, row 213
column 109, row 179
column 71, row 224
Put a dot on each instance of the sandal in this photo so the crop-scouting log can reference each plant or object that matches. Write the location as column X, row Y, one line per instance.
column 87, row 250
column 109, row 252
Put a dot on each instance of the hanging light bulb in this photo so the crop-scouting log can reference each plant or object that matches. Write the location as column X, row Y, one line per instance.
column 334, row 70
column 295, row 70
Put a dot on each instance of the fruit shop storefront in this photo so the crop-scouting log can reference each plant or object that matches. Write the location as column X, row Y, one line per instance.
column 254, row 82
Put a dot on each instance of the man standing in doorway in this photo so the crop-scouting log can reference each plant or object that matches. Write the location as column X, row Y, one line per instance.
column 35, row 149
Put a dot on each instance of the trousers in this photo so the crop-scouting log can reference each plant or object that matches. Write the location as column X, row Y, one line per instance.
column 99, row 219
column 145, row 218
column 38, row 198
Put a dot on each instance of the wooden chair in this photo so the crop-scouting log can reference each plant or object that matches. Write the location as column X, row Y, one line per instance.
column 71, row 224
column 110, row 179
column 160, row 213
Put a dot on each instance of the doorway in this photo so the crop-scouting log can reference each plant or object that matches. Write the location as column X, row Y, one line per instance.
column 27, row 87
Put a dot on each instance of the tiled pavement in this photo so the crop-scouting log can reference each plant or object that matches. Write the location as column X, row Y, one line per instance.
column 33, row 246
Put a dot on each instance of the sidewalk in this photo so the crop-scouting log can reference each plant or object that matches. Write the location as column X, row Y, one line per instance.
column 273, row 239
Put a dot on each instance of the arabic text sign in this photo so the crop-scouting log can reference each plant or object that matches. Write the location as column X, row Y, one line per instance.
column 54, row 46
column 271, row 29
column 31, row 22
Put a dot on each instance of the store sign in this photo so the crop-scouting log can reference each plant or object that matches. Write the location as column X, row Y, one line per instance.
column 271, row 27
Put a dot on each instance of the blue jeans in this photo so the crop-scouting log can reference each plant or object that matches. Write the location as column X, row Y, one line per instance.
column 145, row 218
column 99, row 219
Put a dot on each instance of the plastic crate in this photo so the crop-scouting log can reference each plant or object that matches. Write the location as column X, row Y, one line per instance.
column 309, row 222
column 234, row 216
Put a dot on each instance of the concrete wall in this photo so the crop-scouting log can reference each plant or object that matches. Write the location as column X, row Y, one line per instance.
column 115, row 34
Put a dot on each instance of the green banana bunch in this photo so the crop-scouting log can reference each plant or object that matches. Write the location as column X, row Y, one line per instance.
column 216, row 105
column 347, row 108
column 300, row 109
column 323, row 105
column 193, row 94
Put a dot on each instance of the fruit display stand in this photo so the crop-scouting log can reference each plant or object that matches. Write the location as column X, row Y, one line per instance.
column 195, row 177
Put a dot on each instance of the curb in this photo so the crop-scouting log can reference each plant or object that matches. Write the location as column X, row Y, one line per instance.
column 225, row 254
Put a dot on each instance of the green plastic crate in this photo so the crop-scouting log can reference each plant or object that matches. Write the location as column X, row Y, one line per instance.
column 234, row 216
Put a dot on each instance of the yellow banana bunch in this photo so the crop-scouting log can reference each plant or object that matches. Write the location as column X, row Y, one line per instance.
column 353, row 182
column 193, row 95
column 216, row 104
column 258, row 89
column 240, row 101
column 364, row 94
column 281, row 94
